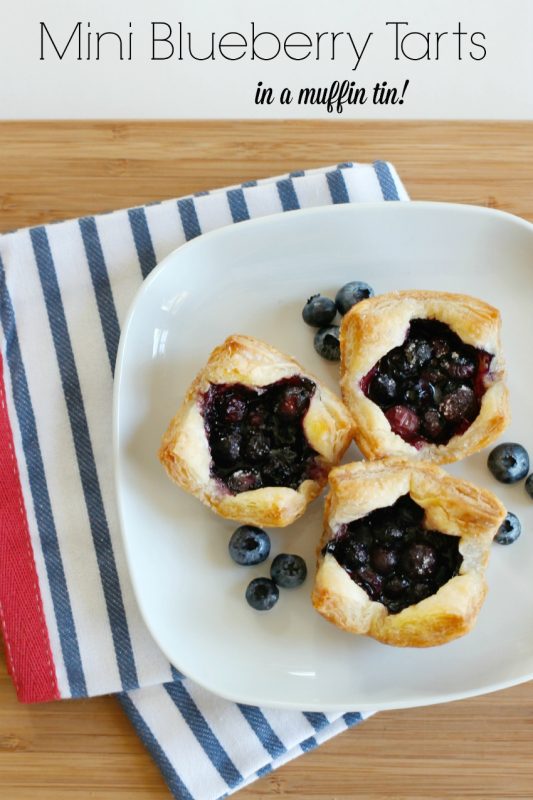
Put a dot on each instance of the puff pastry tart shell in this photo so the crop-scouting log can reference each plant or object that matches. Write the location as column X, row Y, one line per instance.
column 451, row 506
column 185, row 451
column 374, row 327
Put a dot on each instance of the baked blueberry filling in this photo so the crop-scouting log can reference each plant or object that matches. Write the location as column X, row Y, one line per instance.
column 256, row 436
column 393, row 557
column 430, row 388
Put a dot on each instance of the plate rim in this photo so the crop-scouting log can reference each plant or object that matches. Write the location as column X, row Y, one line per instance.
column 231, row 229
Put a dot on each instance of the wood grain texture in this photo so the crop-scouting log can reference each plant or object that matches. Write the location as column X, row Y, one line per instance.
column 77, row 750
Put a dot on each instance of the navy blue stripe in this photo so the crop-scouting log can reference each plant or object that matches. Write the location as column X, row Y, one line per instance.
column 142, row 239
column 345, row 165
column 203, row 193
column 237, row 205
column 85, row 457
column 41, row 498
column 203, row 733
column 337, row 187
column 287, row 194
column 308, row 744
column 386, row 181
column 102, row 287
column 352, row 718
column 316, row 719
column 297, row 173
column 264, row 770
column 248, row 184
column 262, row 729
column 189, row 218
column 174, row 782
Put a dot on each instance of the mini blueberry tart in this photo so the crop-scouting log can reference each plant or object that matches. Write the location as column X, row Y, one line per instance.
column 423, row 375
column 256, row 435
column 404, row 552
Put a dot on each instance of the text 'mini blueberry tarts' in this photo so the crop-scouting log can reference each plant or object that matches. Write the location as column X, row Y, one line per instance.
column 423, row 375
column 404, row 551
column 256, row 435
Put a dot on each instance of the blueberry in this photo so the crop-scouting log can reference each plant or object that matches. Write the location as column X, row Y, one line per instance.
column 419, row 560
column 257, row 448
column 319, row 311
column 396, row 586
column 249, row 545
column 352, row 293
column 235, row 409
column 278, row 470
column 433, row 423
column 418, row 352
column 459, row 366
column 283, row 434
column 388, row 532
column 352, row 551
column 418, row 393
column 262, row 594
column 398, row 365
column 382, row 389
column 440, row 347
column 459, row 404
column 371, row 580
column 292, row 403
column 408, row 511
column 509, row 462
column 403, row 421
column 288, row 571
column 383, row 560
column 244, row 480
column 419, row 591
column 529, row 485
column 509, row 530
column 226, row 450
column 327, row 343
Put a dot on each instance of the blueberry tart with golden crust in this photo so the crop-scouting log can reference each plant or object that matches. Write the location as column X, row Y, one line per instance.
column 404, row 551
column 423, row 375
column 256, row 435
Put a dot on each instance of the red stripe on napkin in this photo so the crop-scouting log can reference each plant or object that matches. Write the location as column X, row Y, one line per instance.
column 29, row 656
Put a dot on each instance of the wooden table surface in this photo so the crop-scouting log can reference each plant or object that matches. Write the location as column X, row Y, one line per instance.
column 76, row 750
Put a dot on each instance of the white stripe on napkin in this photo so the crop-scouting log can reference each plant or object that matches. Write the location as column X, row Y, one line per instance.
column 67, row 288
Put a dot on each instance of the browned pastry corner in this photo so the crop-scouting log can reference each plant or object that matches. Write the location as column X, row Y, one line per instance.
column 445, row 347
column 254, row 492
column 419, row 498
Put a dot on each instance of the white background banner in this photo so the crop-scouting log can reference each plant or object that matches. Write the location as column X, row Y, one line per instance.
column 342, row 59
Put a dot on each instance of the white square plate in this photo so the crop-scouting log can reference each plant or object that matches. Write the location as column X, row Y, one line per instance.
column 254, row 278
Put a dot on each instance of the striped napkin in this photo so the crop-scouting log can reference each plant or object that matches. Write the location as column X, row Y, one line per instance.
column 70, row 623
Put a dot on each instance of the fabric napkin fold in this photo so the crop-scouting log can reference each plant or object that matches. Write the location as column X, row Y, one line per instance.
column 70, row 622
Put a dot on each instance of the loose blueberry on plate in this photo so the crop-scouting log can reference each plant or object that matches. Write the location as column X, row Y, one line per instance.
column 288, row 570
column 249, row 545
column 352, row 293
column 509, row 462
column 262, row 594
column 327, row 343
column 529, row 485
column 319, row 311
column 509, row 530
